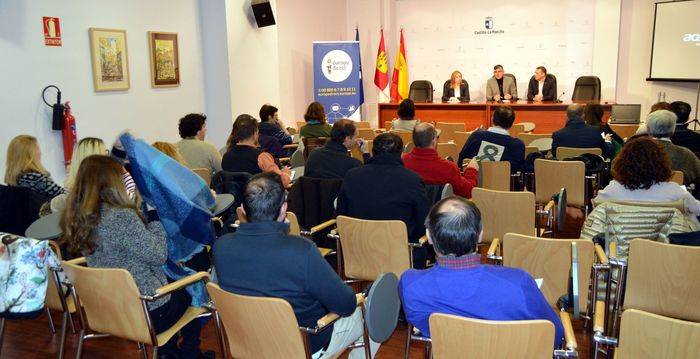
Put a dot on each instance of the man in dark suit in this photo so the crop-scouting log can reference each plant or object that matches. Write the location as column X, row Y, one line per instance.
column 383, row 189
column 683, row 136
column 541, row 86
column 579, row 135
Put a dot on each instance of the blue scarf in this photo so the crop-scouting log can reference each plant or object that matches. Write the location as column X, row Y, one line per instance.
column 182, row 200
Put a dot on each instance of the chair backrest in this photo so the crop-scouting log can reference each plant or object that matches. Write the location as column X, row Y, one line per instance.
column 370, row 248
column 624, row 131
column 515, row 81
column 530, row 149
column 258, row 327
column 300, row 124
column 460, row 138
column 647, row 335
column 551, row 77
column 293, row 224
column 110, row 300
column 406, row 136
column 527, row 138
column 677, row 177
column 448, row 149
column 366, row 133
column 205, row 173
column 662, row 279
column 587, row 88
column 297, row 159
column 542, row 143
column 292, row 130
column 516, row 129
column 448, row 129
column 552, row 176
column 311, row 199
column 504, row 212
column 313, row 143
column 421, row 91
column 453, row 336
column 570, row 152
column 494, row 175
column 362, row 124
column 550, row 259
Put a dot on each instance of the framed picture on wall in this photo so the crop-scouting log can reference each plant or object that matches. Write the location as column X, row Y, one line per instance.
column 110, row 60
column 165, row 59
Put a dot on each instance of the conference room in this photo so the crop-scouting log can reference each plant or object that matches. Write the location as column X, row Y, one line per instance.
column 350, row 179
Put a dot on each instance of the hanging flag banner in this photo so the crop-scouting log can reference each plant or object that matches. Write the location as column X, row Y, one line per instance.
column 337, row 79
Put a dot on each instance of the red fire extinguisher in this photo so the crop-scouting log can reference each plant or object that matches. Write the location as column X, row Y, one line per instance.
column 70, row 136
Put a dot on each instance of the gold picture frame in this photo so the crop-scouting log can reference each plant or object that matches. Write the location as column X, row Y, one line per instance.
column 165, row 59
column 110, row 59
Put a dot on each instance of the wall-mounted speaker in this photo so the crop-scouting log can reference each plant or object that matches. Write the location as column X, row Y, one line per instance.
column 263, row 13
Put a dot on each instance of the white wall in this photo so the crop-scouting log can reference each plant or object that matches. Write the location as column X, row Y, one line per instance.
column 636, row 30
column 28, row 66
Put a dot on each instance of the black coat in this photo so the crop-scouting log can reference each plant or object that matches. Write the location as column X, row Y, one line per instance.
column 549, row 89
column 687, row 138
column 330, row 161
column 448, row 91
column 579, row 135
column 19, row 207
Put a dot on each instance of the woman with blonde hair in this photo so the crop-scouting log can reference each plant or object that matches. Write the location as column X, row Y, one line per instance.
column 103, row 224
column 87, row 146
column 455, row 89
column 170, row 150
column 24, row 168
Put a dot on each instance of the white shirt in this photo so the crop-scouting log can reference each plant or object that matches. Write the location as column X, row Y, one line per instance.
column 540, row 85
column 458, row 94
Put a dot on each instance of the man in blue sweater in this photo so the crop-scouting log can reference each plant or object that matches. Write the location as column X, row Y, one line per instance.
column 458, row 284
column 496, row 144
column 262, row 259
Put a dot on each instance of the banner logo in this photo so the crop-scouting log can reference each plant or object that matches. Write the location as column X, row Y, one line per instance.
column 336, row 66
column 488, row 23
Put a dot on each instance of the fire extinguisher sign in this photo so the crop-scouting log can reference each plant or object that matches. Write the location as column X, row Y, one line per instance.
column 52, row 31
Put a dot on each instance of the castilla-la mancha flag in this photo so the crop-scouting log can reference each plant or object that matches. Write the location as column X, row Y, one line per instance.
column 399, row 80
column 381, row 71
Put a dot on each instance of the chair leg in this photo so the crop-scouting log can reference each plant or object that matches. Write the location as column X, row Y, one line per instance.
column 64, row 329
column 220, row 334
column 2, row 332
column 142, row 348
column 155, row 352
column 409, row 329
column 51, row 326
column 429, row 350
column 81, row 342
column 365, row 337
column 70, row 320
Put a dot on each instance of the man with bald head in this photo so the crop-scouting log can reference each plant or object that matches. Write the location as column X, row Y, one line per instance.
column 425, row 161
column 579, row 135
column 459, row 284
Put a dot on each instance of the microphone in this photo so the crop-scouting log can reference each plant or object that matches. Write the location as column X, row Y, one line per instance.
column 558, row 100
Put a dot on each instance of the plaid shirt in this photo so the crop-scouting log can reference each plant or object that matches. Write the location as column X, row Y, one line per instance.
column 466, row 261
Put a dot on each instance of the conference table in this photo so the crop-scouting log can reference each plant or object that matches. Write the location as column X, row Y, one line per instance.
column 547, row 116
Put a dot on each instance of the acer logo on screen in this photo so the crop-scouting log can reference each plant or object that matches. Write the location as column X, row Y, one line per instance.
column 691, row 37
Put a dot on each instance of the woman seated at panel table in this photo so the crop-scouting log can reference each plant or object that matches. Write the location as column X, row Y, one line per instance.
column 455, row 89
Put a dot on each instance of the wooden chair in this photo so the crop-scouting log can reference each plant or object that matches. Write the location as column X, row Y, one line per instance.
column 300, row 124
column 530, row 149
column 552, row 176
column 624, row 131
column 448, row 129
column 569, row 152
column 60, row 300
column 658, row 278
column 362, row 124
column 543, row 144
column 448, row 151
column 292, row 131
column 312, row 143
column 677, row 177
column 406, row 136
column 461, row 138
column 454, row 336
column 367, row 134
column 113, row 305
column 527, row 138
column 495, row 175
column 527, row 126
column 647, row 335
column 516, row 130
column 505, row 212
column 205, row 173
column 368, row 248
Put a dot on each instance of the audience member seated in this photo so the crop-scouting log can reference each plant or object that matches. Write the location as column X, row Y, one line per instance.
column 196, row 152
column 23, row 168
column 593, row 116
column 642, row 172
column 458, row 284
column 433, row 169
column 271, row 126
column 406, row 113
column 262, row 259
column 87, row 146
column 579, row 135
column 243, row 154
column 683, row 136
column 383, row 189
column 496, row 144
column 661, row 124
column 663, row 105
column 333, row 161
column 316, row 125
column 102, row 223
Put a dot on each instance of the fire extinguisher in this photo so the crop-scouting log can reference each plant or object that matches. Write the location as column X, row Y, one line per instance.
column 70, row 136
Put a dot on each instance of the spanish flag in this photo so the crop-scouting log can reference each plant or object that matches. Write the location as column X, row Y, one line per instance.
column 381, row 72
column 399, row 80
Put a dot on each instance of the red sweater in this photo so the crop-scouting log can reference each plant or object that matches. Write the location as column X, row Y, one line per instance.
column 435, row 170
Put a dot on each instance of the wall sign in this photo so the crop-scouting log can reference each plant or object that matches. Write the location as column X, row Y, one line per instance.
column 52, row 31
